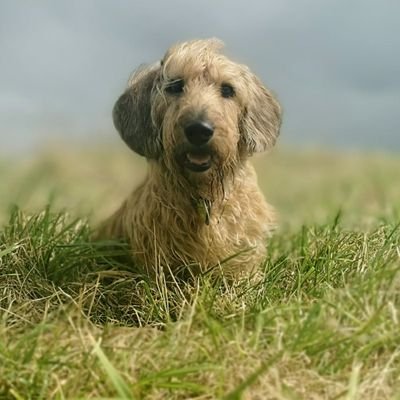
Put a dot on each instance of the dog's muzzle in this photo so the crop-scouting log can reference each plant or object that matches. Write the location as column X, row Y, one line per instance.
column 198, row 133
column 197, row 156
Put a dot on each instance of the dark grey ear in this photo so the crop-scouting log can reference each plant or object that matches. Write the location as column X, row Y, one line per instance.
column 132, row 113
column 261, row 120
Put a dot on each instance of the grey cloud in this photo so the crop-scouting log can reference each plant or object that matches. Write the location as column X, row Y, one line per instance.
column 334, row 64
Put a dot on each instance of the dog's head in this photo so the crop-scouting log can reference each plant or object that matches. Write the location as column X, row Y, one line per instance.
column 197, row 111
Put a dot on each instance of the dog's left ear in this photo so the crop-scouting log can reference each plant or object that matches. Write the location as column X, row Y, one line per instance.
column 132, row 113
column 261, row 120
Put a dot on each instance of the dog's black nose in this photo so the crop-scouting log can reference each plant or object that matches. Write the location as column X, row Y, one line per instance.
column 199, row 132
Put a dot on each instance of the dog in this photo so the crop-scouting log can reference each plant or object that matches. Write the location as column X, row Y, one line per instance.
column 197, row 117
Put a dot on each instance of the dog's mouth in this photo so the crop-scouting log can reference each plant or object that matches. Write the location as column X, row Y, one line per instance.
column 197, row 161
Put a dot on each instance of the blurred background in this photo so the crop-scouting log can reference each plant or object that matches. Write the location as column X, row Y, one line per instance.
column 334, row 64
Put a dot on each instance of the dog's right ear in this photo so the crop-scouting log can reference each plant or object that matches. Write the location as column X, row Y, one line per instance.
column 261, row 121
column 132, row 113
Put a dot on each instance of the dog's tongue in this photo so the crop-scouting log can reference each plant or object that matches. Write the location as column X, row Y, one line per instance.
column 198, row 159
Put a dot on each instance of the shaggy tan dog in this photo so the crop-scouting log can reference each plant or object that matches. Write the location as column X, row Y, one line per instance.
column 197, row 117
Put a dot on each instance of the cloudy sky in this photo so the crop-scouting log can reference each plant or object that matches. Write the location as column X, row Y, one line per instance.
column 335, row 64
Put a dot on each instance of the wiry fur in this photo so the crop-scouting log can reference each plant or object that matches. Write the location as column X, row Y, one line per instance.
column 161, row 219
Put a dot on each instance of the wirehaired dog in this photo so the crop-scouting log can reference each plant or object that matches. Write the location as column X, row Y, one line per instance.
column 197, row 117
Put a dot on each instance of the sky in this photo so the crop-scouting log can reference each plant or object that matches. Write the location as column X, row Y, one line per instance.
column 334, row 64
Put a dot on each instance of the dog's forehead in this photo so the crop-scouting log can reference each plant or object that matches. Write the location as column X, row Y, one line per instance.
column 195, row 47
column 197, row 58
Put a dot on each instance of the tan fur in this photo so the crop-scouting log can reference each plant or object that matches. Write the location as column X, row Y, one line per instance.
column 164, row 218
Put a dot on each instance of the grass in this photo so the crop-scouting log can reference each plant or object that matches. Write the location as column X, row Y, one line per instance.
column 323, row 323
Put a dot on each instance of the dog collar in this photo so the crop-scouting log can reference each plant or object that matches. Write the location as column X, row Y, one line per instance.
column 203, row 209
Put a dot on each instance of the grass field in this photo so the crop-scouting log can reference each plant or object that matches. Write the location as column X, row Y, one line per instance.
column 324, row 322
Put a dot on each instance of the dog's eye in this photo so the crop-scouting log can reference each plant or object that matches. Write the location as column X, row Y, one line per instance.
column 227, row 90
column 175, row 87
